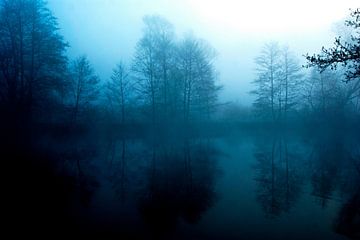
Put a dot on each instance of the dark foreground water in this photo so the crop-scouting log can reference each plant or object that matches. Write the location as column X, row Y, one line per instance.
column 243, row 186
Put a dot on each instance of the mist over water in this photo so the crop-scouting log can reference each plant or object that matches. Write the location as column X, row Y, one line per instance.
column 180, row 119
column 290, row 185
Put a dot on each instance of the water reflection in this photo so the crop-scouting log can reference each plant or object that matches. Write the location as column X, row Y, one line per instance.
column 347, row 221
column 163, row 182
column 279, row 181
column 117, row 164
column 330, row 163
column 180, row 185
column 328, row 159
column 78, row 161
column 150, row 188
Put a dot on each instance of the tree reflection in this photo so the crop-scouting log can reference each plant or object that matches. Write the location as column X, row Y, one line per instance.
column 181, row 185
column 348, row 220
column 327, row 159
column 278, row 182
column 118, row 166
column 55, row 177
column 78, row 157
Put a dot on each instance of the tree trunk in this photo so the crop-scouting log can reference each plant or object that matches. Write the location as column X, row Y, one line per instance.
column 272, row 90
column 122, row 101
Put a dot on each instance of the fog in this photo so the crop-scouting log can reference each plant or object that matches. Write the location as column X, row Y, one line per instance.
column 107, row 30
column 192, row 119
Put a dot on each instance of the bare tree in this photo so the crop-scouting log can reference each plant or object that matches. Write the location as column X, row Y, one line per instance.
column 119, row 89
column 188, row 51
column 327, row 95
column 291, row 79
column 32, row 60
column 84, row 85
column 163, row 35
column 268, row 79
column 277, row 83
column 174, row 79
column 195, row 65
column 344, row 58
column 152, row 63
column 343, row 53
column 206, row 90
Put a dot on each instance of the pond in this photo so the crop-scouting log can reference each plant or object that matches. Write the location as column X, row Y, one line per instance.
column 240, row 186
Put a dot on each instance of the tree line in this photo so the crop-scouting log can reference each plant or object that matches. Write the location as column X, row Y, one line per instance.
column 167, row 79
column 327, row 88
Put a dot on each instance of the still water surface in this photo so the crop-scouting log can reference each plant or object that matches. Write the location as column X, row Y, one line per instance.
column 243, row 186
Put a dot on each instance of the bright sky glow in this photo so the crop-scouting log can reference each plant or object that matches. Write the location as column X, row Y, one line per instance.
column 107, row 30
column 271, row 15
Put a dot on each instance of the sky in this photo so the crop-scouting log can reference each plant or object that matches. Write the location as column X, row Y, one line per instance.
column 107, row 30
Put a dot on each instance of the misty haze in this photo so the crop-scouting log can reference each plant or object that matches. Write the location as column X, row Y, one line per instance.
column 170, row 119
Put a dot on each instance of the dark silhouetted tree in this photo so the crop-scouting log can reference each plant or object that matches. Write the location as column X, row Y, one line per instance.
column 119, row 90
column 32, row 60
column 268, row 71
column 346, row 53
column 344, row 58
column 290, row 80
column 195, row 65
column 323, row 92
column 278, row 75
column 152, row 63
column 84, row 85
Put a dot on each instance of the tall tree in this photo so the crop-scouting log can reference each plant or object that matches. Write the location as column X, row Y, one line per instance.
column 291, row 76
column 163, row 34
column 32, row 56
column 120, row 89
column 188, row 51
column 206, row 88
column 268, row 79
column 278, row 75
column 174, row 79
column 84, row 85
column 195, row 64
column 152, row 63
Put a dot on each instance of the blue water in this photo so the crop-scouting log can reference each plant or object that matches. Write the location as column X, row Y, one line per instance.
column 243, row 186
